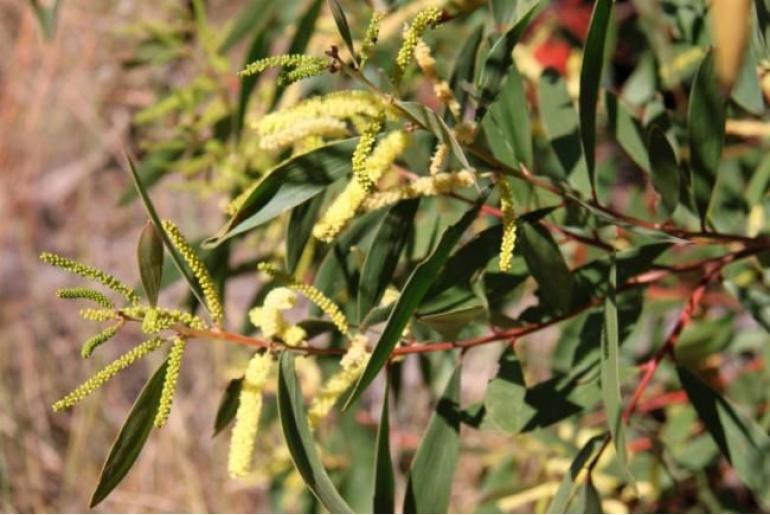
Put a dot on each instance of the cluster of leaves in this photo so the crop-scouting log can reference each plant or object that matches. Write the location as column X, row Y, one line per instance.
column 639, row 178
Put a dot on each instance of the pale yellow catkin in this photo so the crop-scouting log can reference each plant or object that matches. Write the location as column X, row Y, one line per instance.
column 438, row 184
column 107, row 373
column 246, row 425
column 429, row 17
column 169, row 383
column 324, row 127
column 86, row 294
column 199, row 270
column 312, row 294
column 352, row 365
column 345, row 206
column 509, row 224
column 269, row 317
column 95, row 341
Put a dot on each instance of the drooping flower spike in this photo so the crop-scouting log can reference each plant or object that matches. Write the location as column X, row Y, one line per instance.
column 95, row 341
column 86, row 294
column 425, row 19
column 370, row 38
column 313, row 295
column 509, row 224
column 246, row 426
column 107, row 373
column 430, row 186
column 269, row 317
column 172, row 378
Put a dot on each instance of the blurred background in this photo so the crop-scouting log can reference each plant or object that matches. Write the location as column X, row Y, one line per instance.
column 65, row 111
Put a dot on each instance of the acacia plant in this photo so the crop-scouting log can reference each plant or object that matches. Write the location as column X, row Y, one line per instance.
column 574, row 189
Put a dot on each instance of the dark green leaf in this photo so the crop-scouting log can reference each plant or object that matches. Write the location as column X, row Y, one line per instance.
column 382, row 257
column 300, row 229
column 131, row 438
column 287, row 185
column 46, row 13
column 504, row 398
column 610, row 369
column 503, row 11
column 342, row 26
column 592, row 502
column 508, row 121
column 155, row 219
column 411, row 295
column 561, row 123
column 590, row 79
column 465, row 67
column 299, row 439
column 546, row 264
column 566, row 490
column 384, row 481
column 499, row 59
column 253, row 18
column 741, row 440
column 149, row 254
column 627, row 130
column 228, row 405
column 706, row 128
column 664, row 169
column 433, row 467
column 432, row 122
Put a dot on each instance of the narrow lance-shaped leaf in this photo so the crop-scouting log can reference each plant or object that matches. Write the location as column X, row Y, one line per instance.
column 132, row 437
column 382, row 258
column 561, row 499
column 508, row 122
column 560, row 121
column 592, row 501
column 546, row 264
column 287, row 185
column 465, row 66
column 384, row 481
column 742, row 441
column 299, row 438
column 610, row 369
column 664, row 169
column 300, row 229
column 342, row 26
column 706, row 130
column 412, row 294
column 499, row 59
column 155, row 219
column 590, row 79
column 434, row 464
column 228, row 405
column 149, row 255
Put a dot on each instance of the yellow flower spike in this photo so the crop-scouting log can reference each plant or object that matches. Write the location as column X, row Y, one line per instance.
column 426, row 18
column 280, row 299
column 98, row 315
column 444, row 93
column 88, row 272
column 361, row 154
column 313, row 295
column 86, row 294
column 342, row 105
column 272, row 322
column 438, row 159
column 324, row 126
column 107, row 373
column 345, row 206
column 424, row 59
column 370, row 37
column 353, row 363
column 295, row 67
column 293, row 335
column 92, row 343
column 509, row 224
column 438, row 184
column 169, row 384
column 247, row 417
column 199, row 270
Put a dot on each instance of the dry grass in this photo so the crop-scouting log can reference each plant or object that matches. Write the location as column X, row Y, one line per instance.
column 65, row 108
